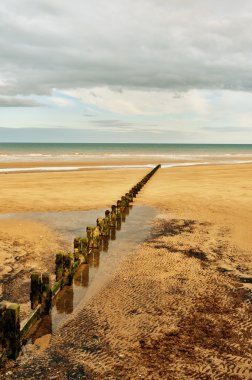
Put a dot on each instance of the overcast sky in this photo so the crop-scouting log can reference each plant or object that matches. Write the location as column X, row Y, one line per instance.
column 126, row 70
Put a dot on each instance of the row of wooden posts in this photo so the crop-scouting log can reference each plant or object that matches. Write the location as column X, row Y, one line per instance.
column 12, row 332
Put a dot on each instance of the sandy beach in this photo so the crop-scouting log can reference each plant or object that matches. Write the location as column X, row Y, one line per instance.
column 175, row 309
column 125, row 190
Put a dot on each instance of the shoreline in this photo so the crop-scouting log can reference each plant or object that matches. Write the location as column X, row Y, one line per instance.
column 54, row 166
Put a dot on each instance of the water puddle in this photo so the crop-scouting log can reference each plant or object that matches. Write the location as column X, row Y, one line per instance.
column 90, row 277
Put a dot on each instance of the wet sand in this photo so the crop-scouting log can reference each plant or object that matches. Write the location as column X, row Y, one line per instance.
column 176, row 309
column 27, row 244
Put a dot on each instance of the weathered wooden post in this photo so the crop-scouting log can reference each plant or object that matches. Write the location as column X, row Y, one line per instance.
column 59, row 266
column 3, row 353
column 84, row 249
column 41, row 292
column 68, row 268
column 12, row 329
column 93, row 235
column 99, row 223
column 106, row 222
column 134, row 191
column 96, row 237
column 129, row 197
column 77, row 249
column 35, row 294
column 89, row 231
column 9, row 330
column 113, row 216
column 107, row 214
column 124, row 201
column 46, row 298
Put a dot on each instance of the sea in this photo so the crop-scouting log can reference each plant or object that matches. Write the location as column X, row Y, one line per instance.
column 122, row 155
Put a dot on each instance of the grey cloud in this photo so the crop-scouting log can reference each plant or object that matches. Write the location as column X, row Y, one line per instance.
column 147, row 44
column 10, row 101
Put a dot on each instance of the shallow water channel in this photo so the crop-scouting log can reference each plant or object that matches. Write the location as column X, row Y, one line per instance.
column 90, row 277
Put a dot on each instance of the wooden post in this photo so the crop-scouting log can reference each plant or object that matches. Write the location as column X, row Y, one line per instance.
column 96, row 237
column 68, row 268
column 84, row 249
column 113, row 216
column 77, row 249
column 9, row 330
column 108, row 217
column 46, row 299
column 35, row 294
column 59, row 266
column 124, row 202
column 106, row 223
column 3, row 343
column 100, row 224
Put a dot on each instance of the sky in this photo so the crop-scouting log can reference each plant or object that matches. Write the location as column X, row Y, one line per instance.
column 168, row 71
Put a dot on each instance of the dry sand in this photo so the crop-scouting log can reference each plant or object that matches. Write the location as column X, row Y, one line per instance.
column 60, row 191
column 176, row 308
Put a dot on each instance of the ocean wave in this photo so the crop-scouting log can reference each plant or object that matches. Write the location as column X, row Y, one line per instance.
column 206, row 163
column 40, row 157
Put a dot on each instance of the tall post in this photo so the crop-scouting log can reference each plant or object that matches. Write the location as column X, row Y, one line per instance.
column 35, row 295
column 9, row 330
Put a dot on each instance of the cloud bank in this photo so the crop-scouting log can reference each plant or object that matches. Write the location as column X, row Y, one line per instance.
column 180, row 58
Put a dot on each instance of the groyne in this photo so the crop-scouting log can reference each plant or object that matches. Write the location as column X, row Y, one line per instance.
column 13, row 333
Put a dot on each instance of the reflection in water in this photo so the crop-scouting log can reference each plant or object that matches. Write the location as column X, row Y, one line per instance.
column 113, row 234
column 63, row 304
column 105, row 244
column 64, row 300
column 94, row 258
column 102, row 263
column 81, row 277
column 42, row 329
column 118, row 224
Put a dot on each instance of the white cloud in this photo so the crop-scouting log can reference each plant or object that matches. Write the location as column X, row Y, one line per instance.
column 140, row 102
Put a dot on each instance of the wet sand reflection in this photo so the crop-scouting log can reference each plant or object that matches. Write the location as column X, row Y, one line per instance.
column 102, row 262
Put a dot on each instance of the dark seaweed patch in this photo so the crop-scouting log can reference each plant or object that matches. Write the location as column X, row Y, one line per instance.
column 173, row 227
column 198, row 254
